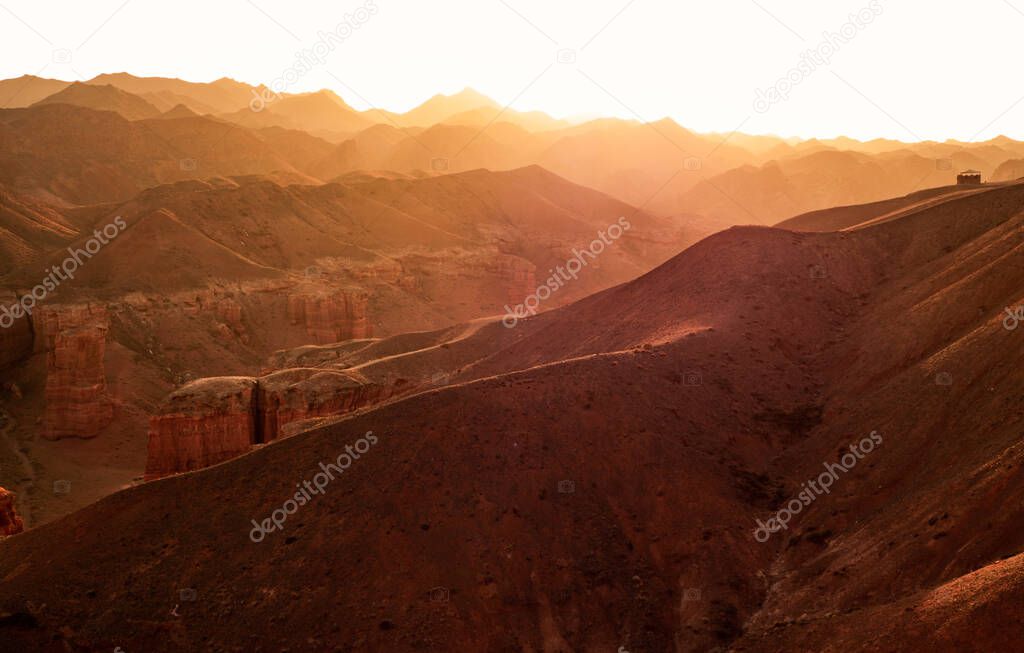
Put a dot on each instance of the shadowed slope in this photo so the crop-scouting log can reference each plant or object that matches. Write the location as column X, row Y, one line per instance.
column 680, row 406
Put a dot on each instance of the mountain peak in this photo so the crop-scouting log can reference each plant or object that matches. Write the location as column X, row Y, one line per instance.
column 179, row 111
column 441, row 107
column 103, row 97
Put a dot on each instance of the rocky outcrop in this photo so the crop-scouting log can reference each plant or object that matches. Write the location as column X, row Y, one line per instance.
column 74, row 339
column 297, row 394
column 15, row 333
column 10, row 522
column 519, row 276
column 201, row 424
column 330, row 317
column 227, row 312
column 212, row 420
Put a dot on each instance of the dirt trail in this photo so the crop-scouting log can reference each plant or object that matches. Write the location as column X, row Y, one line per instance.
column 921, row 206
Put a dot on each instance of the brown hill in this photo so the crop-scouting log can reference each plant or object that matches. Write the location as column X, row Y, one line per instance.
column 1009, row 170
column 167, row 101
column 302, row 149
column 27, row 90
column 650, row 165
column 85, row 156
column 29, row 229
column 442, row 107
column 661, row 165
column 529, row 213
column 640, row 164
column 595, row 484
column 848, row 217
column 711, row 179
column 178, row 111
column 103, row 98
column 222, row 96
column 469, row 108
column 440, row 149
column 534, row 121
column 322, row 114
column 792, row 186
column 210, row 277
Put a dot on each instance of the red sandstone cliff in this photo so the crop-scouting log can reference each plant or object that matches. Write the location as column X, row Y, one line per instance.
column 203, row 423
column 74, row 339
column 331, row 317
column 10, row 522
column 211, row 420
column 297, row 394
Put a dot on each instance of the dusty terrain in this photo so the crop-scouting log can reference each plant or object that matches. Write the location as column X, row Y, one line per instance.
column 289, row 281
column 595, row 483
column 209, row 278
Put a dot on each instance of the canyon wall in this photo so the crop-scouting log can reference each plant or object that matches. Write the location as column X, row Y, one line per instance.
column 297, row 394
column 74, row 339
column 330, row 317
column 212, row 420
column 203, row 423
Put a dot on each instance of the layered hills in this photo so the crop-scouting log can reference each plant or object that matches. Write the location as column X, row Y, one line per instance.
column 592, row 479
column 712, row 180
column 546, row 461
column 108, row 98
column 210, row 277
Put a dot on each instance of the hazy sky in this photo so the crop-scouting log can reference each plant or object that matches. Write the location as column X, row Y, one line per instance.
column 907, row 69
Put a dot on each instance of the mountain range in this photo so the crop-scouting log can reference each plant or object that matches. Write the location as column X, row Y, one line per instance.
column 603, row 385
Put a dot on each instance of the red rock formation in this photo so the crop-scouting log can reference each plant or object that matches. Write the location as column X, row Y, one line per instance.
column 229, row 312
column 384, row 271
column 212, row 420
column 74, row 338
column 298, row 394
column 51, row 320
column 226, row 309
column 10, row 522
column 331, row 318
column 201, row 424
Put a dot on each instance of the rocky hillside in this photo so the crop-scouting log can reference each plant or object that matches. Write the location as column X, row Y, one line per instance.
column 597, row 482
column 208, row 278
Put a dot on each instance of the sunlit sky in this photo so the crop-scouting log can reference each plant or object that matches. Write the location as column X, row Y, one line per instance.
column 918, row 70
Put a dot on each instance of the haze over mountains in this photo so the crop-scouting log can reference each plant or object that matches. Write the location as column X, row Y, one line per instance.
column 590, row 365
column 709, row 179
